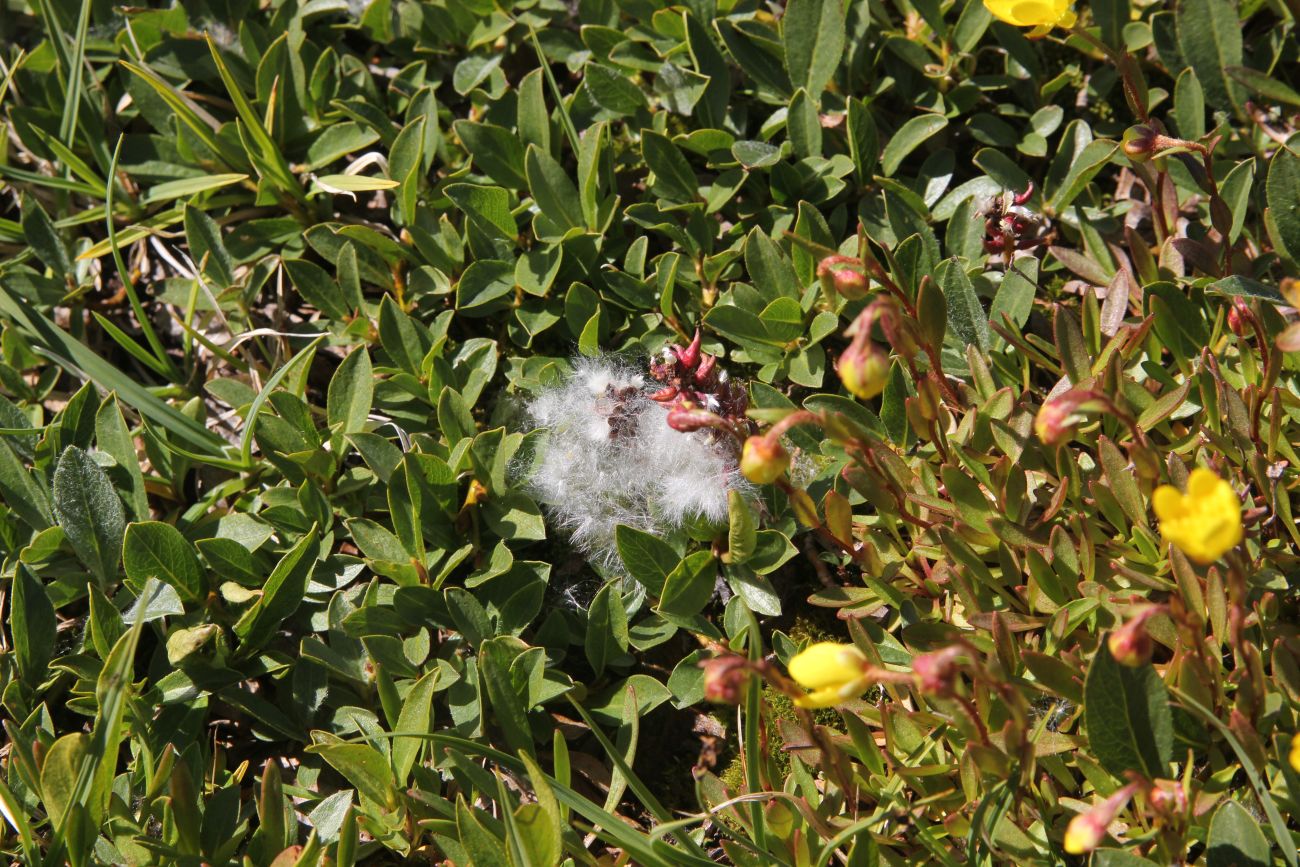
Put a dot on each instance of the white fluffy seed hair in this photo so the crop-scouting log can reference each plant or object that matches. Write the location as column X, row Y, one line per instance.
column 650, row 477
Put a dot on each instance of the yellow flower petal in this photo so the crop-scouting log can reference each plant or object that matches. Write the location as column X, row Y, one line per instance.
column 1042, row 15
column 1202, row 483
column 1035, row 12
column 1004, row 10
column 828, row 697
column 1204, row 523
column 1167, row 501
column 827, row 664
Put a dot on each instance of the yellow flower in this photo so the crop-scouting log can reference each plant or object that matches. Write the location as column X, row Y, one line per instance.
column 1294, row 758
column 834, row 673
column 1042, row 15
column 1205, row 523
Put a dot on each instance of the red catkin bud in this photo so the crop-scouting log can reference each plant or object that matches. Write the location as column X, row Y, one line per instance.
column 687, row 417
column 690, row 356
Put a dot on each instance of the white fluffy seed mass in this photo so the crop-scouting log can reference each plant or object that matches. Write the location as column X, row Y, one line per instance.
column 593, row 476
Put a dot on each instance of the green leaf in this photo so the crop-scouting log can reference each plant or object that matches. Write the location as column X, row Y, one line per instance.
column 909, row 137
column 742, row 530
column 864, row 140
column 607, row 635
column 1235, row 189
column 1189, row 105
column 44, row 239
column 688, row 588
column 1264, row 84
column 611, row 91
column 487, row 207
column 482, row 847
column 1209, row 35
column 1127, row 717
column 404, row 339
column 508, row 710
column 769, row 268
column 966, row 318
column 1282, row 190
column 207, row 249
column 317, row 287
column 406, row 166
column 113, row 438
column 88, row 510
column 1235, row 839
column 22, row 491
column 553, row 190
column 351, row 393
column 416, row 718
column 812, row 32
column 361, row 765
column 541, row 832
column 756, row 154
column 281, row 595
column 32, row 624
column 1082, row 170
column 673, row 177
column 646, row 557
column 803, row 125
column 533, row 120
column 153, row 549
column 497, row 152
column 59, row 772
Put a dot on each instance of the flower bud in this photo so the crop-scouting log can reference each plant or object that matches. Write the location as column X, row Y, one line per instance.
column 1239, row 317
column 1054, row 423
column 763, row 460
column 1293, row 757
column 725, row 678
column 851, row 284
column 936, row 672
column 1130, row 645
column 844, row 277
column 1168, row 797
column 1059, row 415
column 1139, row 142
column 864, row 368
column 1086, row 830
